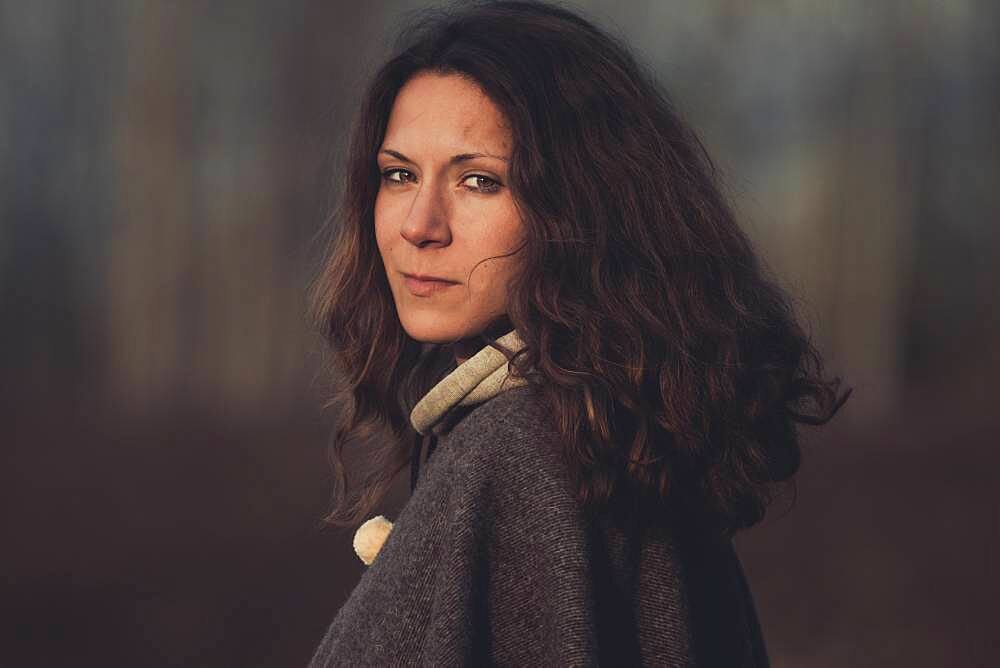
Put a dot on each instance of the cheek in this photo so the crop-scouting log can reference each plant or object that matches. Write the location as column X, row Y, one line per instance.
column 383, row 238
column 381, row 241
column 492, row 277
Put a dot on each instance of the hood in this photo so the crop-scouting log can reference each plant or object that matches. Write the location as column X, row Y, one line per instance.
column 477, row 379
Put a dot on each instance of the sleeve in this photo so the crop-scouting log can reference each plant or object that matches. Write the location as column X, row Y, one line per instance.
column 513, row 586
column 385, row 619
column 485, row 565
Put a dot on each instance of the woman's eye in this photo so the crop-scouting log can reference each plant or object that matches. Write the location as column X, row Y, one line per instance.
column 490, row 186
column 388, row 174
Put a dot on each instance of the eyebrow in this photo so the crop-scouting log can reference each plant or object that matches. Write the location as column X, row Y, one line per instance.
column 455, row 159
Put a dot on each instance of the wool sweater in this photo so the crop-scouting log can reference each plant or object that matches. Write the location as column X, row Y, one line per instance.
column 492, row 561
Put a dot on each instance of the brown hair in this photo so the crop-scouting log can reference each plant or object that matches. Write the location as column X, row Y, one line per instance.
column 673, row 366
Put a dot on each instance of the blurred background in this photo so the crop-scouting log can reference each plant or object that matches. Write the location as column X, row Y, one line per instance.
column 165, row 170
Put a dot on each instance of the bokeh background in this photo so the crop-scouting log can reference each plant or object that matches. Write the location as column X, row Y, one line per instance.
column 165, row 171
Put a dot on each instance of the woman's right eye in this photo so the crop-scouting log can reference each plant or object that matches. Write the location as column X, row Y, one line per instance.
column 388, row 174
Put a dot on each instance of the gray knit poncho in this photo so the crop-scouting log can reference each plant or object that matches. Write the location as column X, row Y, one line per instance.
column 493, row 562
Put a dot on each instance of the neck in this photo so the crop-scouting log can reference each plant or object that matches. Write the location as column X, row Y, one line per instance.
column 466, row 348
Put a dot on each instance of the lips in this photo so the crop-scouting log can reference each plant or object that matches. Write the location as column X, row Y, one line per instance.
column 427, row 277
column 424, row 286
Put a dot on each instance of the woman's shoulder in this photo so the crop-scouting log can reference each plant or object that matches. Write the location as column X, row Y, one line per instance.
column 514, row 417
column 512, row 437
column 517, row 408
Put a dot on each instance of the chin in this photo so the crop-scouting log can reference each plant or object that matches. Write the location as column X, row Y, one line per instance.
column 431, row 329
column 435, row 328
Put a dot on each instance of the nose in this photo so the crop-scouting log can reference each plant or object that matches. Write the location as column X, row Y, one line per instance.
column 427, row 221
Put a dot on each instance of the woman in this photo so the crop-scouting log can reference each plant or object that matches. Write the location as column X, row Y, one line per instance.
column 539, row 299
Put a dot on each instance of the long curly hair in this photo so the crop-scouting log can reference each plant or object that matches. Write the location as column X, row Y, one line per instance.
column 673, row 365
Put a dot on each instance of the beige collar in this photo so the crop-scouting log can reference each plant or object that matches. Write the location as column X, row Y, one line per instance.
column 477, row 379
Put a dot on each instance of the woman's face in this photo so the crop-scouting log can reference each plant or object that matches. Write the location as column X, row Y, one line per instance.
column 443, row 207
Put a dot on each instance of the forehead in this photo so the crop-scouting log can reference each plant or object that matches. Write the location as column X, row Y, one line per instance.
column 447, row 112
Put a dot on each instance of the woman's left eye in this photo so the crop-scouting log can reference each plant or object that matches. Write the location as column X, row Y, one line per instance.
column 492, row 186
